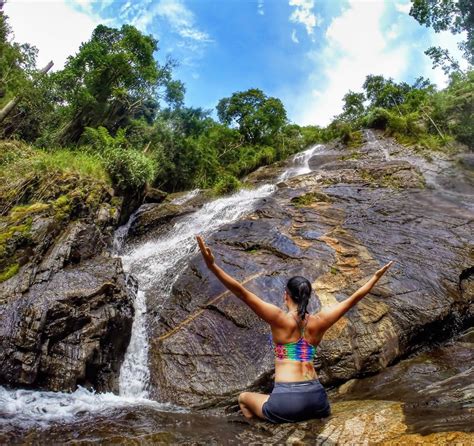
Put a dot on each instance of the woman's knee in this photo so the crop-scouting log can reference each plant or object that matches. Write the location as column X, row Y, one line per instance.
column 242, row 397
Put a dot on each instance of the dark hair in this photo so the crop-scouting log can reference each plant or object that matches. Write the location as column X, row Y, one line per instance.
column 299, row 289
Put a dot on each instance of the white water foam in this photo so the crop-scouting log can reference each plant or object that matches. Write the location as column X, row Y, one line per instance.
column 36, row 407
column 164, row 257
column 134, row 373
column 300, row 163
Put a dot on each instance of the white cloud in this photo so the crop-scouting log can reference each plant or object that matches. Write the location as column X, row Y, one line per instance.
column 180, row 18
column 303, row 14
column 394, row 31
column 260, row 5
column 55, row 28
column 352, row 52
column 402, row 7
column 448, row 41
column 294, row 37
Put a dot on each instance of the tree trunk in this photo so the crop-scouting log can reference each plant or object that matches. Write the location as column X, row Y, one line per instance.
column 5, row 111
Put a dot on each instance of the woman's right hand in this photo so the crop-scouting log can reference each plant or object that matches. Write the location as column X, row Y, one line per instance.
column 379, row 273
column 205, row 251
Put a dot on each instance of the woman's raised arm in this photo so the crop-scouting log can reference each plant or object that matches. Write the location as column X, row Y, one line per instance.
column 268, row 312
column 329, row 316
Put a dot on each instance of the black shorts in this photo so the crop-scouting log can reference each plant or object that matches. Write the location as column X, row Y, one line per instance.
column 298, row 401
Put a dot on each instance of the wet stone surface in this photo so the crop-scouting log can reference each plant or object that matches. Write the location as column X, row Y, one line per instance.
column 378, row 207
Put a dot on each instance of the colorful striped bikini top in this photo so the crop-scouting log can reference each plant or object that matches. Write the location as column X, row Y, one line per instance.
column 300, row 350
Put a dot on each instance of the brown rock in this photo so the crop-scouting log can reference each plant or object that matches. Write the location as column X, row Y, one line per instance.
column 207, row 346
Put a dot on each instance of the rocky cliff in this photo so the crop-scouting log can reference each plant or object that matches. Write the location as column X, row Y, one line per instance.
column 356, row 210
column 65, row 311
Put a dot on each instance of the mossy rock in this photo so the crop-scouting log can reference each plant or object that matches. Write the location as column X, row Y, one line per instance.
column 351, row 156
column 310, row 198
column 9, row 272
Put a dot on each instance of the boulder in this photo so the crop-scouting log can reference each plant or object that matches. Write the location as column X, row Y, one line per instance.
column 335, row 226
column 153, row 215
column 153, row 195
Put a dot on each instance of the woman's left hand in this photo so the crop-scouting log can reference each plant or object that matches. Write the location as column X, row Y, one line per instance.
column 205, row 251
column 379, row 273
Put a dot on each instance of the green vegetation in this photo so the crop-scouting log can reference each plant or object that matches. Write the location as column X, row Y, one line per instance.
column 310, row 198
column 118, row 114
column 456, row 16
column 52, row 187
column 114, row 113
column 226, row 185
column 416, row 115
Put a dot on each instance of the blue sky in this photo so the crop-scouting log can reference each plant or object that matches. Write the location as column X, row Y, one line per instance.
column 306, row 52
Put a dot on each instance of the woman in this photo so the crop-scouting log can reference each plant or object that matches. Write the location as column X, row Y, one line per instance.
column 297, row 394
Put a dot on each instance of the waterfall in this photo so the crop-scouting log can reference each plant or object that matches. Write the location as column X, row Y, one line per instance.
column 159, row 262
column 155, row 263
column 300, row 163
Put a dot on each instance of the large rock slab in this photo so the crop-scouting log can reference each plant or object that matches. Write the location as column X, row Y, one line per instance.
column 336, row 226
column 66, row 316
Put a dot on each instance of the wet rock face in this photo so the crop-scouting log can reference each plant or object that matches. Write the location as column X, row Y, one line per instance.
column 335, row 226
column 158, row 216
column 154, row 215
column 65, row 318
column 434, row 385
column 424, row 399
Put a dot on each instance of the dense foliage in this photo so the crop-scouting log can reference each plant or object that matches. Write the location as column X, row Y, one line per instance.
column 416, row 114
column 114, row 105
column 114, row 101
column 456, row 16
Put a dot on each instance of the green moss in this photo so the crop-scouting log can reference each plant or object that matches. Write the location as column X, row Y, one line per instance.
column 9, row 272
column 424, row 143
column 310, row 198
column 367, row 176
column 62, row 207
column 389, row 180
column 116, row 201
column 18, row 231
column 355, row 139
column 18, row 213
column 11, row 236
column 352, row 156
column 333, row 270
column 253, row 250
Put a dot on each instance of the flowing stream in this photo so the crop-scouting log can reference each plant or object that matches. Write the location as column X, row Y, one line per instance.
column 155, row 262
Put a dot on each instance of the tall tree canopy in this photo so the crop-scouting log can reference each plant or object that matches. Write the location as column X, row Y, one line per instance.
column 456, row 16
column 256, row 115
column 112, row 78
column 17, row 62
column 353, row 105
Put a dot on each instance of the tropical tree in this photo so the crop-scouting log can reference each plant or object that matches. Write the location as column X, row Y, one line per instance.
column 353, row 105
column 256, row 115
column 112, row 79
column 17, row 62
column 456, row 16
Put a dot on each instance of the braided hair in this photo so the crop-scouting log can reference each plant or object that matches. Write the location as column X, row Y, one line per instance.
column 299, row 289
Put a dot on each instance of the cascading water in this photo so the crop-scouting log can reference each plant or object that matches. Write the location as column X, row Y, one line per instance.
column 300, row 163
column 159, row 262
column 154, row 263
